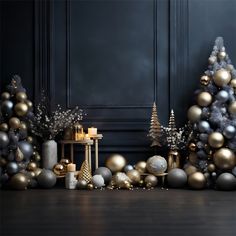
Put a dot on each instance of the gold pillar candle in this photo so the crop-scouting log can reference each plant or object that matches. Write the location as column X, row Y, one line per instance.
column 92, row 131
column 71, row 167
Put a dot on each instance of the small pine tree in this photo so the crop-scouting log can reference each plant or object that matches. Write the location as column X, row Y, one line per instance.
column 172, row 131
column 85, row 172
column 155, row 128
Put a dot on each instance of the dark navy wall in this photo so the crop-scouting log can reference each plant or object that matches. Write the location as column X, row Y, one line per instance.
column 114, row 58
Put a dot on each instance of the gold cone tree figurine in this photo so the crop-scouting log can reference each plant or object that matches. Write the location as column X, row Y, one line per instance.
column 85, row 172
column 155, row 128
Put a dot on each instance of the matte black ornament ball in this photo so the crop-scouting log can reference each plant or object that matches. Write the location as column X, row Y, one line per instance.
column 177, row 178
column 105, row 173
column 46, row 179
column 226, row 182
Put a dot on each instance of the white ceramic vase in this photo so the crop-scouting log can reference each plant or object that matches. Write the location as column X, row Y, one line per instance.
column 49, row 154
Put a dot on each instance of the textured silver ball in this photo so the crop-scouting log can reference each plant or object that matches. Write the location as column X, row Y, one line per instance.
column 156, row 165
column 98, row 181
column 229, row 131
column 128, row 168
column 203, row 126
column 222, row 96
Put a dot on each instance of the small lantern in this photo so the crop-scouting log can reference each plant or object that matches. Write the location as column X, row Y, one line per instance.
column 79, row 132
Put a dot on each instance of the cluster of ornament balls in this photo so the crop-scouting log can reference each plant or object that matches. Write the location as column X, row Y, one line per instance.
column 117, row 174
column 213, row 118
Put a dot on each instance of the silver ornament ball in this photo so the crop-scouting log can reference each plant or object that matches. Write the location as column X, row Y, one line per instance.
column 128, row 168
column 98, row 181
column 229, row 131
column 222, row 96
column 156, row 165
column 203, row 126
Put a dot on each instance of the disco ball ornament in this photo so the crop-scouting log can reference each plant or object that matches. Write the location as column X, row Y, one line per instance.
column 221, row 77
column 156, row 165
column 105, row 173
column 19, row 182
column 98, row 181
column 226, row 182
column 4, row 140
column 46, row 179
column 177, row 178
column 116, row 163
column 128, row 168
column 222, row 96
column 229, row 131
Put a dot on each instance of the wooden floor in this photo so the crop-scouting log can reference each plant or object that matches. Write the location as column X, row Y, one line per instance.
column 101, row 213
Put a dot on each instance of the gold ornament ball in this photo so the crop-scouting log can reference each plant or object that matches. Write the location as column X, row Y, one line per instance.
column 37, row 171
column 127, row 185
column 205, row 80
column 192, row 158
column 64, row 161
column 197, row 180
column 21, row 96
column 3, row 161
column 212, row 59
column 58, row 169
column 204, row 99
column 31, row 174
column 4, row 127
column 194, row 113
column 134, row 176
column 5, row 96
column 211, row 167
column 216, row 140
column 141, row 166
column 19, row 182
column 190, row 169
column 29, row 104
column 233, row 84
column 14, row 123
column 222, row 77
column 21, row 109
column 192, row 147
column 141, row 183
column 32, row 166
column 115, row 163
column 90, row 186
column 224, row 159
column 222, row 55
column 151, row 181
column 232, row 108
column 30, row 139
column 23, row 126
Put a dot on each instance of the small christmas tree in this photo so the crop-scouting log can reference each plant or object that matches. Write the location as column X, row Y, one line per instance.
column 213, row 117
column 155, row 128
column 85, row 172
column 17, row 156
column 171, row 139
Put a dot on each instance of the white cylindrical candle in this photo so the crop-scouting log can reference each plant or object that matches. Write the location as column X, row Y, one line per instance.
column 71, row 167
column 71, row 181
column 92, row 131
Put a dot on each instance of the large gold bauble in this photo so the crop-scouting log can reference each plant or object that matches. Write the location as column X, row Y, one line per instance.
column 116, row 163
column 232, row 108
column 190, row 169
column 194, row 113
column 216, row 140
column 222, row 55
column 134, row 176
column 5, row 96
column 141, row 166
column 211, row 167
column 204, row 99
column 233, row 84
column 19, row 181
column 205, row 80
column 222, row 77
column 224, row 159
column 59, row 169
column 21, row 96
column 197, row 180
column 14, row 123
column 32, row 166
column 4, row 127
column 21, row 109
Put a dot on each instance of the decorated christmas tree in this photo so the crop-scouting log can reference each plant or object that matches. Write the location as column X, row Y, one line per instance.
column 155, row 128
column 18, row 160
column 213, row 141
